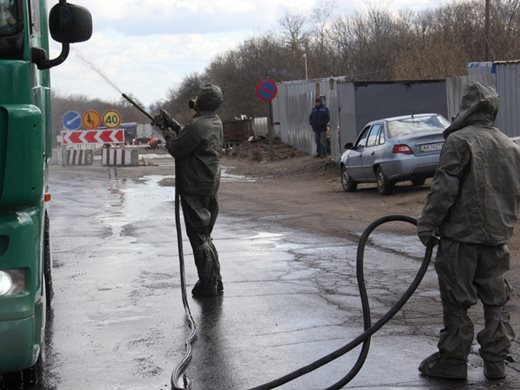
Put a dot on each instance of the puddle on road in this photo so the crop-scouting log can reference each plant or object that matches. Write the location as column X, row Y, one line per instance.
column 127, row 204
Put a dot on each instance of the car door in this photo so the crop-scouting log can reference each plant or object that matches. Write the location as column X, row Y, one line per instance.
column 372, row 149
column 354, row 163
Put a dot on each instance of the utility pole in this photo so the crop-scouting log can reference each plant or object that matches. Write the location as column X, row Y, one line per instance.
column 486, row 29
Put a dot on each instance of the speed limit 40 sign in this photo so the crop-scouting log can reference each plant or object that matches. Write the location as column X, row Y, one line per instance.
column 112, row 119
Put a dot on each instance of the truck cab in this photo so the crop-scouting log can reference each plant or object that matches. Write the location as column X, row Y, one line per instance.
column 25, row 150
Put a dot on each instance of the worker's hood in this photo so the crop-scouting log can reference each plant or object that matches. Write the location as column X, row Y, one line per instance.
column 209, row 98
column 479, row 105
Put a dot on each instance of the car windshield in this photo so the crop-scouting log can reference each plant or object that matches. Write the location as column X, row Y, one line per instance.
column 415, row 125
column 10, row 20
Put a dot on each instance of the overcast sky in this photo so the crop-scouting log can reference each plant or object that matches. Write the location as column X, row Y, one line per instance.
column 146, row 47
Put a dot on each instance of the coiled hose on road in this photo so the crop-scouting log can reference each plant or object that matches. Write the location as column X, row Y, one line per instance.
column 363, row 338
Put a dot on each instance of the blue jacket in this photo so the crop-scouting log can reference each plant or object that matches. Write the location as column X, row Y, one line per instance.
column 319, row 118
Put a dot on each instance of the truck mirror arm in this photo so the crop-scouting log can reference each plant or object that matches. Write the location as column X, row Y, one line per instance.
column 39, row 57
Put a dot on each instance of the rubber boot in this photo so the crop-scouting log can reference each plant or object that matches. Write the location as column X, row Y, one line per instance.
column 201, row 290
column 494, row 370
column 437, row 366
column 495, row 341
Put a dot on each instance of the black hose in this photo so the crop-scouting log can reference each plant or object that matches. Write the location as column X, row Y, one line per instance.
column 369, row 329
column 176, row 374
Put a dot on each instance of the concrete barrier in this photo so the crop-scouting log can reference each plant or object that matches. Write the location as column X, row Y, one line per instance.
column 120, row 157
column 78, row 157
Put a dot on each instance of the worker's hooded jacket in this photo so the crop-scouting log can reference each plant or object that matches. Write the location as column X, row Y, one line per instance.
column 197, row 146
column 475, row 192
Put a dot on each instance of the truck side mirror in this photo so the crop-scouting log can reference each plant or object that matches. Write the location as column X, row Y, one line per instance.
column 68, row 23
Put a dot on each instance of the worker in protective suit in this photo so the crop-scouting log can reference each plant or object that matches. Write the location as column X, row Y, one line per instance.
column 472, row 208
column 196, row 148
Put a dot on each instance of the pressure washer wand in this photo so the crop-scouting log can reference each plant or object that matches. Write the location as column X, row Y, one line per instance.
column 138, row 107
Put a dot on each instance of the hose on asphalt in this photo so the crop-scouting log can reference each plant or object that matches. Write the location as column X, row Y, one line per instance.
column 369, row 329
column 183, row 364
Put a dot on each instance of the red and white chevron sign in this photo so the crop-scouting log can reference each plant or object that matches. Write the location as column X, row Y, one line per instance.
column 77, row 137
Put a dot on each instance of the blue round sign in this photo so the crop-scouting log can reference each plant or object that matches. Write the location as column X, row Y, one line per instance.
column 266, row 90
column 72, row 120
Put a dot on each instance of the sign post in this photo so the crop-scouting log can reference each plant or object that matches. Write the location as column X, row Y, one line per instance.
column 266, row 90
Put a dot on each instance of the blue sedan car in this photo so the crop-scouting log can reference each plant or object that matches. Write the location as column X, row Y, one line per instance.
column 394, row 149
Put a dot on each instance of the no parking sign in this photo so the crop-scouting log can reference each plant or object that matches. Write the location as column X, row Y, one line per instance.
column 266, row 90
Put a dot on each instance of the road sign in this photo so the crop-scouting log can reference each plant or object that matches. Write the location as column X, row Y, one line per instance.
column 71, row 120
column 112, row 119
column 93, row 137
column 91, row 119
column 266, row 90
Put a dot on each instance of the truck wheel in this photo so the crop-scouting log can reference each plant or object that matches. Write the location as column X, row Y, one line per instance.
column 11, row 380
column 47, row 263
column 32, row 375
column 384, row 186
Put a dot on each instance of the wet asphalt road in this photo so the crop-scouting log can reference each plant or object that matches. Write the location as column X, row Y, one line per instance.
column 290, row 297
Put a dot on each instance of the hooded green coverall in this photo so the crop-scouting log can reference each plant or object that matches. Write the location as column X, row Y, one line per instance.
column 473, row 207
column 196, row 148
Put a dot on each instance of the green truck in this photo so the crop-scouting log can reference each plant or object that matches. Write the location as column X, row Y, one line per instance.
column 25, row 150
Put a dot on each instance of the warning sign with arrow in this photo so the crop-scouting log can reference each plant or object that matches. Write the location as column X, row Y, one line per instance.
column 91, row 119
column 79, row 137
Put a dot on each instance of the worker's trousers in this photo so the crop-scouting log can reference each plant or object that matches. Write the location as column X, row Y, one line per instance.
column 467, row 272
column 200, row 213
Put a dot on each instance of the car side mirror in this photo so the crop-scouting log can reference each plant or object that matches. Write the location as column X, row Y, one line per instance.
column 349, row 145
column 68, row 23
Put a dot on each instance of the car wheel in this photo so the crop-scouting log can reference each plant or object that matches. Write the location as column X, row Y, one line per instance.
column 418, row 181
column 347, row 183
column 384, row 186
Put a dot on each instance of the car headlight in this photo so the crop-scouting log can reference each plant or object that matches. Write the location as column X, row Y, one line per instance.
column 12, row 282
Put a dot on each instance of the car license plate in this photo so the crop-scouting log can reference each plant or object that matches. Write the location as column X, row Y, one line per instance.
column 431, row 147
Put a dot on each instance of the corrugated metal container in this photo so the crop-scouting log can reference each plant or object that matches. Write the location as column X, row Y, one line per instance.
column 483, row 72
column 351, row 105
column 292, row 107
column 508, row 88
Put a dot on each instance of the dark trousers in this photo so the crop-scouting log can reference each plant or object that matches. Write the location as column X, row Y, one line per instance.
column 320, row 137
column 200, row 213
column 467, row 272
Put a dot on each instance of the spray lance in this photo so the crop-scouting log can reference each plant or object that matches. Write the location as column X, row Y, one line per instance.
column 165, row 121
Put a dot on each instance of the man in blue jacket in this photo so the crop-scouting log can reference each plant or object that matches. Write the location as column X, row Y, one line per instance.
column 319, row 119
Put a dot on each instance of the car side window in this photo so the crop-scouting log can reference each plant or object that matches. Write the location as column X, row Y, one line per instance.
column 382, row 138
column 373, row 137
column 362, row 140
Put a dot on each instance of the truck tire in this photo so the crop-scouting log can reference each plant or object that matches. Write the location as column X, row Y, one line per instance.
column 47, row 263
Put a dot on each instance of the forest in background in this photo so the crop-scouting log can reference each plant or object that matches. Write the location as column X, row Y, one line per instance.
column 376, row 45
